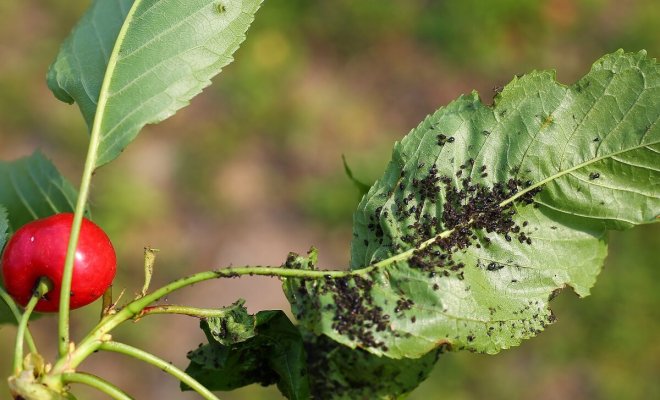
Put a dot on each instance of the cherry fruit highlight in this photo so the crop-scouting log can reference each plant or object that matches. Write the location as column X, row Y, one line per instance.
column 38, row 249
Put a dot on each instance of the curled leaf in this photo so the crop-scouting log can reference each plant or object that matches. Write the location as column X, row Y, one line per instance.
column 484, row 213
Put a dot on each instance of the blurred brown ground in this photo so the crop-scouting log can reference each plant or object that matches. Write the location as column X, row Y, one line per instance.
column 252, row 170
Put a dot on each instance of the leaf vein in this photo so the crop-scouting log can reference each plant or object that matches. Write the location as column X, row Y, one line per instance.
column 184, row 20
column 19, row 193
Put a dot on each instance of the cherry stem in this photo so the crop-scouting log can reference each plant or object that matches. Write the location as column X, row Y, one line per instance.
column 160, row 363
column 18, row 315
column 97, row 383
column 43, row 286
column 95, row 137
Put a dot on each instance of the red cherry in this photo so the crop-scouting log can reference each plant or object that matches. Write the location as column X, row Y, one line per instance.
column 39, row 248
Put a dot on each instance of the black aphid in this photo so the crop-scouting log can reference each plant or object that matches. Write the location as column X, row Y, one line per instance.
column 356, row 315
column 469, row 210
column 494, row 266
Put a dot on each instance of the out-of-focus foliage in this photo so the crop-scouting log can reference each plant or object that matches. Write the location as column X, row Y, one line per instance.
column 32, row 188
column 315, row 80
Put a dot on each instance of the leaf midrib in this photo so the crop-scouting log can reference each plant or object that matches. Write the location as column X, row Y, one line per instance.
column 574, row 168
column 95, row 138
column 408, row 253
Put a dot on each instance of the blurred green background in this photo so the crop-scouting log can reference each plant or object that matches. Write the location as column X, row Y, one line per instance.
column 252, row 170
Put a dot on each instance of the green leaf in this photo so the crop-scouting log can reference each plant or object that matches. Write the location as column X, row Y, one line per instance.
column 79, row 69
column 4, row 227
column 275, row 355
column 339, row 372
column 32, row 188
column 484, row 213
column 132, row 63
column 6, row 315
column 362, row 187
column 234, row 327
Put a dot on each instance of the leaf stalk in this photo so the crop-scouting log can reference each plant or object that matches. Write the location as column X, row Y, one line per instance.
column 18, row 315
column 159, row 363
column 97, row 383
column 83, row 191
column 43, row 286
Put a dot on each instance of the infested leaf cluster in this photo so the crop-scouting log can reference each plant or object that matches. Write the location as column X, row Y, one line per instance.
column 273, row 354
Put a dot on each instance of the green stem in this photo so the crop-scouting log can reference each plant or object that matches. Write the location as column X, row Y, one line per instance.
column 43, row 286
column 83, row 191
column 97, row 383
column 18, row 315
column 162, row 364
column 182, row 310
column 97, row 336
column 408, row 253
column 65, row 297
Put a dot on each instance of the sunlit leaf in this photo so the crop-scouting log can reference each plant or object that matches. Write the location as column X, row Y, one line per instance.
column 485, row 212
column 131, row 63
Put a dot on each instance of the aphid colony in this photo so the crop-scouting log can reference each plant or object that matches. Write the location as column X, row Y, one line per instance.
column 470, row 211
column 355, row 314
